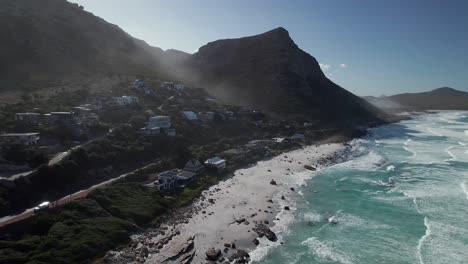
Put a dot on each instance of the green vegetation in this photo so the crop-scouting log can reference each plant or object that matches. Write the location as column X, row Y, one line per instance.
column 84, row 229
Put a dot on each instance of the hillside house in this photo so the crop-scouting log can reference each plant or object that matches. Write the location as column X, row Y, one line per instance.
column 179, row 87
column 206, row 116
column 26, row 139
column 125, row 100
column 159, row 121
column 28, row 118
column 216, row 163
column 190, row 115
column 54, row 118
column 194, row 166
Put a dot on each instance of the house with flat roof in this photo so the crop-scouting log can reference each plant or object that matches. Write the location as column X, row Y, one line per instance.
column 159, row 121
column 190, row 115
column 28, row 118
column 125, row 100
column 216, row 163
column 26, row 139
column 185, row 177
column 165, row 180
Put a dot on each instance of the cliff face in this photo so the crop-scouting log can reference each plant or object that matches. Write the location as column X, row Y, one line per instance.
column 269, row 71
column 49, row 40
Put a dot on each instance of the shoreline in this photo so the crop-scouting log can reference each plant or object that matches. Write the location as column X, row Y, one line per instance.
column 233, row 213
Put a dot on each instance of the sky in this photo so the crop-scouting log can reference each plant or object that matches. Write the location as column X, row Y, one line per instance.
column 369, row 47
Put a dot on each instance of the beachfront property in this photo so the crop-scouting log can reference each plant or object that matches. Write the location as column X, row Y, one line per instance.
column 184, row 177
column 125, row 100
column 190, row 115
column 206, row 116
column 297, row 137
column 165, row 180
column 216, row 163
column 194, row 166
column 28, row 118
column 26, row 139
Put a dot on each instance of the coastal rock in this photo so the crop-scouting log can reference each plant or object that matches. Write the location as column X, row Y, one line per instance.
column 308, row 167
column 286, row 208
column 213, row 254
column 263, row 230
column 240, row 256
column 256, row 242
column 273, row 182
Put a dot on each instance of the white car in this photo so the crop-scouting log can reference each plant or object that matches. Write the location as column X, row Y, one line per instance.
column 43, row 206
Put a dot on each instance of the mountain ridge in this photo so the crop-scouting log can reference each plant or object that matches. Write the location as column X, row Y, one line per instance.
column 443, row 98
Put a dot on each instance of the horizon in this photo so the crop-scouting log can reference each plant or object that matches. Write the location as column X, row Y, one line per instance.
column 367, row 47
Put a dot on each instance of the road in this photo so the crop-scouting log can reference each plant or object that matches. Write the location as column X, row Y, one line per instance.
column 4, row 221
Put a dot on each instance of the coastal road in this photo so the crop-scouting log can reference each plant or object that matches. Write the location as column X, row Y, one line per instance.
column 4, row 221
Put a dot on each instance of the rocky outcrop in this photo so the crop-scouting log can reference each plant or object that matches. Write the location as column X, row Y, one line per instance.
column 263, row 231
column 213, row 254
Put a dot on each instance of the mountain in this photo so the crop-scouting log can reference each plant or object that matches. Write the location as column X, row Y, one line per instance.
column 49, row 40
column 269, row 71
column 444, row 98
column 54, row 39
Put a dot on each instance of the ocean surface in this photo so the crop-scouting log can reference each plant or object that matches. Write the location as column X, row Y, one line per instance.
column 402, row 198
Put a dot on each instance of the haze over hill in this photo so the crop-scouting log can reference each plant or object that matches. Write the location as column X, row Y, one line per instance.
column 444, row 98
column 50, row 40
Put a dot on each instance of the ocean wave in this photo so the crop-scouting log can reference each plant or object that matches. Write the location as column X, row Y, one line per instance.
column 464, row 186
column 326, row 251
column 422, row 240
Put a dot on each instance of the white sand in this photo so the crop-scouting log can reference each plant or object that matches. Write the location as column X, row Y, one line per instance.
column 243, row 195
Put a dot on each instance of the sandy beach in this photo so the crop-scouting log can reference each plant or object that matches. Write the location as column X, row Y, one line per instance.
column 237, row 214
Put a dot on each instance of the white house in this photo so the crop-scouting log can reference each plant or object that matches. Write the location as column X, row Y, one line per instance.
column 26, row 139
column 190, row 115
column 125, row 100
column 217, row 163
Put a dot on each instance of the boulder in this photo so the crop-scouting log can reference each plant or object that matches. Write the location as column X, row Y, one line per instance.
column 262, row 230
column 273, row 182
column 213, row 254
column 240, row 256
column 308, row 167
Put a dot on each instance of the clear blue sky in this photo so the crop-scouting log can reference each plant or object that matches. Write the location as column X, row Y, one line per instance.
column 370, row 47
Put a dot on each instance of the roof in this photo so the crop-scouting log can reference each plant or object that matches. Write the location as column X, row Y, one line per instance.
column 185, row 175
column 36, row 114
column 19, row 134
column 168, row 174
column 60, row 113
column 190, row 115
column 193, row 163
column 215, row 161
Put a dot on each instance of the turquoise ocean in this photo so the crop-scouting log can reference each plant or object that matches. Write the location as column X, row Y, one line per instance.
column 402, row 198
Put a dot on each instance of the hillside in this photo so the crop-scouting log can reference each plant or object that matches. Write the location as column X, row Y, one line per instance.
column 444, row 98
column 269, row 71
column 51, row 40
column 54, row 41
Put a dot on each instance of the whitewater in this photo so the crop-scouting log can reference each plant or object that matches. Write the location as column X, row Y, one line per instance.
column 403, row 198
